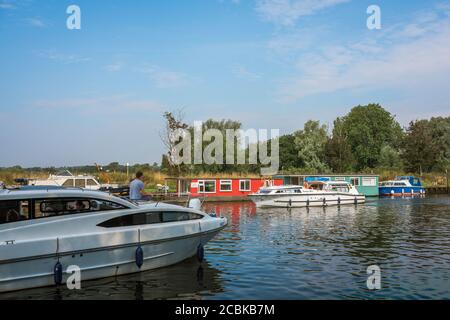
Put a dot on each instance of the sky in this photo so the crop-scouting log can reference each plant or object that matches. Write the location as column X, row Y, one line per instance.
column 75, row 97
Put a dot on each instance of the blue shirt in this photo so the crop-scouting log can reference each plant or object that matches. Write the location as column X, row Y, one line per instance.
column 136, row 186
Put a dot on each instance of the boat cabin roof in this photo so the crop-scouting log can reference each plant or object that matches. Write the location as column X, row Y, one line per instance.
column 52, row 193
column 274, row 188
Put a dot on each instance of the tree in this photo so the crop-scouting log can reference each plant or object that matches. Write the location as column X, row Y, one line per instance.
column 338, row 151
column 368, row 129
column 440, row 128
column 310, row 143
column 427, row 145
column 170, row 139
column 289, row 158
column 390, row 158
column 221, row 126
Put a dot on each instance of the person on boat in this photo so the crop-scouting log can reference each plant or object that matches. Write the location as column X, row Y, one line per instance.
column 79, row 206
column 2, row 185
column 137, row 188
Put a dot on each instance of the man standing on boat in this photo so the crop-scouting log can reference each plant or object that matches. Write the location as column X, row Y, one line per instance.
column 137, row 187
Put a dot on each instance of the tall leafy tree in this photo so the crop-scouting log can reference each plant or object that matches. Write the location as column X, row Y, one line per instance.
column 427, row 145
column 338, row 152
column 310, row 143
column 289, row 158
column 368, row 129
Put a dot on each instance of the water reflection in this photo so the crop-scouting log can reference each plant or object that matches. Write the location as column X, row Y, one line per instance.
column 316, row 253
column 187, row 280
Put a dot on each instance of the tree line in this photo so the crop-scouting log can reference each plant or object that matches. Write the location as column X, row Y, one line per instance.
column 367, row 139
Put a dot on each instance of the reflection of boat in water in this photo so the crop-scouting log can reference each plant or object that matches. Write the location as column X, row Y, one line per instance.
column 44, row 232
column 186, row 280
column 402, row 186
column 315, row 194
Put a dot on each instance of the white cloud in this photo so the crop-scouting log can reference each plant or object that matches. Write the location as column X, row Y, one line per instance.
column 62, row 57
column 115, row 103
column 242, row 72
column 114, row 67
column 165, row 79
column 6, row 5
column 287, row 12
column 416, row 62
column 36, row 22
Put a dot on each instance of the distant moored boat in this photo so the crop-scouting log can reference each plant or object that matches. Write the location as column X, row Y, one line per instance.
column 402, row 186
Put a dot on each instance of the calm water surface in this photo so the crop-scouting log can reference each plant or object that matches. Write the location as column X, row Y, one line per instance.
column 301, row 254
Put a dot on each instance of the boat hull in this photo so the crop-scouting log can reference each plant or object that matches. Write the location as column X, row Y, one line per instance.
column 38, row 271
column 401, row 191
column 304, row 200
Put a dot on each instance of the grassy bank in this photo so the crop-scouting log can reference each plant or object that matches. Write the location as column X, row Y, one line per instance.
column 152, row 178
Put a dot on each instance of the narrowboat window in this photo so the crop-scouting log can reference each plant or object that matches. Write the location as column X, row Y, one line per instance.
column 14, row 211
column 226, row 185
column 68, row 183
column 207, row 186
column 354, row 181
column 245, row 185
column 369, row 182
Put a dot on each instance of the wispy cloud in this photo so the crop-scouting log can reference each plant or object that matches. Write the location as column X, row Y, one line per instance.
column 62, row 57
column 114, row 67
column 36, row 22
column 165, row 79
column 117, row 103
column 242, row 72
column 413, row 57
column 287, row 12
column 6, row 5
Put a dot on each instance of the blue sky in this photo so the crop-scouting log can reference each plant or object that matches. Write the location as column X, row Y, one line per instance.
column 72, row 97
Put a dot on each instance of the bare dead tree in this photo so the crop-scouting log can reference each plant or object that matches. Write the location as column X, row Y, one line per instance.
column 169, row 137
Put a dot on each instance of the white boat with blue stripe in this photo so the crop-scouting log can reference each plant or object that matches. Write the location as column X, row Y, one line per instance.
column 402, row 186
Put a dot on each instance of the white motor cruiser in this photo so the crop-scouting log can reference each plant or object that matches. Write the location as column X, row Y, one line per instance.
column 44, row 232
column 68, row 180
column 315, row 194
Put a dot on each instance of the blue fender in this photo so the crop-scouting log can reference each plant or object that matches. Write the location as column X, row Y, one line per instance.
column 200, row 253
column 58, row 273
column 139, row 257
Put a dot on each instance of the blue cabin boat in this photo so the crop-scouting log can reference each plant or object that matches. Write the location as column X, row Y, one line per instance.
column 402, row 186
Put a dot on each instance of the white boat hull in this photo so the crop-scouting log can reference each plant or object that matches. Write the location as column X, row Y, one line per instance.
column 306, row 200
column 107, row 261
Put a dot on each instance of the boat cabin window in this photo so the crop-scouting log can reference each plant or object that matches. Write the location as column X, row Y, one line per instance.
column 80, row 183
column 58, row 207
column 13, row 211
column 68, row 183
column 91, row 182
column 316, row 186
column 340, row 188
column 149, row 218
column 179, row 216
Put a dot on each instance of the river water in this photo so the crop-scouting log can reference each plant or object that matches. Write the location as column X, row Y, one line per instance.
column 301, row 254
